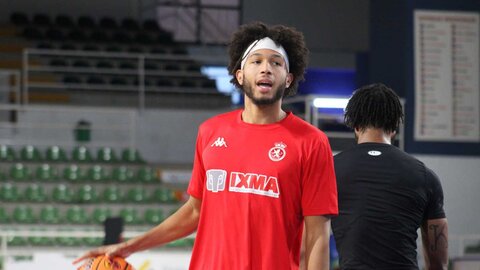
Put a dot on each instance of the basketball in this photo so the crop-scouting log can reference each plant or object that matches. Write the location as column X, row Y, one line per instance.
column 102, row 263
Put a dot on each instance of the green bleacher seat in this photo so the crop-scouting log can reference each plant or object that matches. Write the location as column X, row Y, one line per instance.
column 130, row 216
column 122, row 174
column 62, row 194
column 73, row 173
column 50, row 215
column 146, row 175
column 35, row 193
column 100, row 214
column 92, row 241
column 131, row 155
column 87, row 194
column 41, row 241
column 30, row 153
column 180, row 243
column 19, row 171
column 153, row 216
column 4, row 217
column 81, row 154
column 9, row 193
column 17, row 241
column 24, row 214
column 77, row 215
column 137, row 195
column 163, row 195
column 45, row 172
column 112, row 194
column 106, row 154
column 6, row 153
column 66, row 241
column 55, row 154
column 97, row 173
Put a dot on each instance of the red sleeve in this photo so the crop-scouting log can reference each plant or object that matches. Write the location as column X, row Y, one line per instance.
column 319, row 191
column 197, row 182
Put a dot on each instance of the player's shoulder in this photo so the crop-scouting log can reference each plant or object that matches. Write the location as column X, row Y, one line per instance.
column 380, row 151
column 306, row 129
column 221, row 119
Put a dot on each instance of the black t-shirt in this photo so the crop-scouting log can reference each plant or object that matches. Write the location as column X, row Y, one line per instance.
column 384, row 195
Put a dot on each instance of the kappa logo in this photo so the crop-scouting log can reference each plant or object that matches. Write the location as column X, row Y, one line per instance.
column 216, row 180
column 219, row 142
column 277, row 152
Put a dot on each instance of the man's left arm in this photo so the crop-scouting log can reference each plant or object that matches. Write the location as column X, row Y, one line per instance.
column 317, row 237
column 435, row 243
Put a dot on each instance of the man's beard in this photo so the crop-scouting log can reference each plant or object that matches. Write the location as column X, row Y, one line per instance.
column 248, row 90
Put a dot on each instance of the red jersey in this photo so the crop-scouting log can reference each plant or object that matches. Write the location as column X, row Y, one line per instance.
column 256, row 183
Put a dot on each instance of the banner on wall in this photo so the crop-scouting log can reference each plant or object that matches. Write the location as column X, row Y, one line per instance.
column 447, row 91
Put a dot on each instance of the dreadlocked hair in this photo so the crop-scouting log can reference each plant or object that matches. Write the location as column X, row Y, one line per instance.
column 292, row 41
column 374, row 106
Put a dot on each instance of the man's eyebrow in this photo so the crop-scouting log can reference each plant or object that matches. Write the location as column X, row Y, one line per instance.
column 260, row 54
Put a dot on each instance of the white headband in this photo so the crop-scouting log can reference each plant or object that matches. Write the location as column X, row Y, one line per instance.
column 265, row 43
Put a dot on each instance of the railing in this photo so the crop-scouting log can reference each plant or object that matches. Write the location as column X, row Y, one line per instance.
column 65, row 254
column 314, row 117
column 140, row 72
column 10, row 84
column 55, row 125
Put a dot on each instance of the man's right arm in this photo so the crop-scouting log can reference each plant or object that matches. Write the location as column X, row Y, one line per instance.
column 182, row 223
column 435, row 243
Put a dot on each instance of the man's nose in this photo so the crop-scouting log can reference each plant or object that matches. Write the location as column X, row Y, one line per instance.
column 265, row 67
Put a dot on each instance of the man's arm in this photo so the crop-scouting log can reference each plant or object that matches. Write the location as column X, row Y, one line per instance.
column 435, row 243
column 317, row 237
column 182, row 223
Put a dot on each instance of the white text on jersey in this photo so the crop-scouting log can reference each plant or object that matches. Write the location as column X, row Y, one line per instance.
column 254, row 183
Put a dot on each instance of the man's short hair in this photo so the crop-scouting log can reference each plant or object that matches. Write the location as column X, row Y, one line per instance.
column 374, row 106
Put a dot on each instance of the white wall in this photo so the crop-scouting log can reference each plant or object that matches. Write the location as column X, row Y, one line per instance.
column 165, row 136
column 168, row 136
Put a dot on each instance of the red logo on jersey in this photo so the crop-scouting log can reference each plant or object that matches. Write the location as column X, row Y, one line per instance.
column 254, row 183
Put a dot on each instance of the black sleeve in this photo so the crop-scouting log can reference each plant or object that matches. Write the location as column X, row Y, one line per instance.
column 435, row 199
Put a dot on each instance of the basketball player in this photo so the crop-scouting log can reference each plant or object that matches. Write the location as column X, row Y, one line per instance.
column 259, row 172
column 384, row 194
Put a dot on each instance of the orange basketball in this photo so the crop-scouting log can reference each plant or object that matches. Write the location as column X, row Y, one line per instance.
column 102, row 263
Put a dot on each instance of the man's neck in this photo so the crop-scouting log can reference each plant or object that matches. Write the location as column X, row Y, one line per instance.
column 374, row 135
column 262, row 115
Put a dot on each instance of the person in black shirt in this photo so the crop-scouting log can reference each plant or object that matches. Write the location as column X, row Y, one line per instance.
column 384, row 194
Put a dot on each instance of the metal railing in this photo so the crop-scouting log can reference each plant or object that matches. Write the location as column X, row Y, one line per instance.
column 314, row 117
column 55, row 125
column 140, row 72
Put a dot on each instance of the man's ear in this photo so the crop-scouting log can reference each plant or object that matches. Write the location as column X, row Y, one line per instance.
column 239, row 76
column 289, row 80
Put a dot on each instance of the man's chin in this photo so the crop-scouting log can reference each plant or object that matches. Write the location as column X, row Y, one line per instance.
column 264, row 101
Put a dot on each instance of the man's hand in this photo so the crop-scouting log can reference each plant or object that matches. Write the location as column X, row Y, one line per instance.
column 111, row 251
